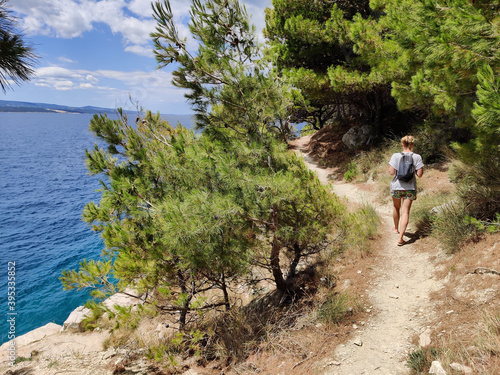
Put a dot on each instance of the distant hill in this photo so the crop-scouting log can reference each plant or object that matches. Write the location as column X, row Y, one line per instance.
column 15, row 106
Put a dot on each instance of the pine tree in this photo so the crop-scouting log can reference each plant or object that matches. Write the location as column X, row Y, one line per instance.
column 182, row 214
column 317, row 47
column 230, row 85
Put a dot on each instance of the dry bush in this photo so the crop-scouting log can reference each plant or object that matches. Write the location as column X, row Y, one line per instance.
column 466, row 327
column 480, row 351
column 478, row 187
column 489, row 340
column 363, row 225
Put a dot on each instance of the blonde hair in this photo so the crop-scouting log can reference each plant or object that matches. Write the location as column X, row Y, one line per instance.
column 407, row 141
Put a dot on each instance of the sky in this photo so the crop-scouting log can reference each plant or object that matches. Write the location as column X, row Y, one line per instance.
column 99, row 53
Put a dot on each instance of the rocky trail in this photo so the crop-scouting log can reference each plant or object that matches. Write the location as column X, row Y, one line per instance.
column 402, row 280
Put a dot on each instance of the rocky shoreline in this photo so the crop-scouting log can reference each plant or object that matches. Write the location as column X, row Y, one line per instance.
column 53, row 348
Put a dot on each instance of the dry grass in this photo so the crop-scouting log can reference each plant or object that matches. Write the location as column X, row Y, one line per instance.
column 466, row 328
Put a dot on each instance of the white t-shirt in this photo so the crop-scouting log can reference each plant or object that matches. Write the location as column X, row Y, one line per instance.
column 399, row 185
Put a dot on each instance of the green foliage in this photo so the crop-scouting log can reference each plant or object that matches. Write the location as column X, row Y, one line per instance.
column 92, row 274
column 158, row 352
column 419, row 361
column 97, row 310
column 17, row 58
column 188, row 342
column 478, row 187
column 433, row 138
column 487, row 114
column 422, row 214
column 453, row 228
column 22, row 359
column 439, row 58
column 361, row 226
column 188, row 214
column 231, row 87
column 316, row 47
column 351, row 173
column 337, row 307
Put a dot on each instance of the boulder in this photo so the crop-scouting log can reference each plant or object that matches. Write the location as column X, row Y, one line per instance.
column 32, row 336
column 425, row 338
column 74, row 321
column 438, row 210
column 124, row 299
column 437, row 368
column 461, row 368
column 357, row 136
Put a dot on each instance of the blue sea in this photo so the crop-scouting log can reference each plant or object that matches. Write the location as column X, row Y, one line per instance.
column 44, row 187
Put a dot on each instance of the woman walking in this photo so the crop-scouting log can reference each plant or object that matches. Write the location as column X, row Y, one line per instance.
column 404, row 166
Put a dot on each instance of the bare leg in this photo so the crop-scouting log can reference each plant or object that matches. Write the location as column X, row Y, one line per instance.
column 395, row 213
column 405, row 217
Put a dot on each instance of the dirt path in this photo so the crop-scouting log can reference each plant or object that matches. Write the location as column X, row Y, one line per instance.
column 402, row 280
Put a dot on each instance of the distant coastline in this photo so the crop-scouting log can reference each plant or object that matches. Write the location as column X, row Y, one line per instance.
column 9, row 106
column 15, row 106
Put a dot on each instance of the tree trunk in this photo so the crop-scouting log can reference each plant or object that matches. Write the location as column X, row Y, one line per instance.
column 275, row 254
column 224, row 291
column 185, row 306
column 275, row 266
column 293, row 266
column 378, row 113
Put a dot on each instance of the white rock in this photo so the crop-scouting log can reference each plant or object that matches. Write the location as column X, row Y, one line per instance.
column 32, row 336
column 461, row 368
column 437, row 368
column 124, row 300
column 358, row 342
column 393, row 296
column 425, row 338
column 74, row 321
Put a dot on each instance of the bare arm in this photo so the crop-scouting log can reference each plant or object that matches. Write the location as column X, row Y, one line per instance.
column 420, row 172
column 392, row 171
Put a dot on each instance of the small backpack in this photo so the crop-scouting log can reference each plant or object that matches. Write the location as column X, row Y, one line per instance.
column 406, row 169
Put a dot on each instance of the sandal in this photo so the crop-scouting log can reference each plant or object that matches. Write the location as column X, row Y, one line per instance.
column 401, row 243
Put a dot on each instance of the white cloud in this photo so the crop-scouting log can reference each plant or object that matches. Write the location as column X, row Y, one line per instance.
column 66, row 60
column 72, row 18
column 140, row 50
column 130, row 18
column 141, row 83
column 63, row 84
column 58, row 72
column 62, row 18
column 90, row 78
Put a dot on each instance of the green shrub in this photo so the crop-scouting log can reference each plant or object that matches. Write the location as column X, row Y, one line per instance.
column 453, row 228
column 422, row 215
column 432, row 139
column 337, row 307
column 479, row 189
column 351, row 173
column 22, row 359
column 362, row 225
column 420, row 360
